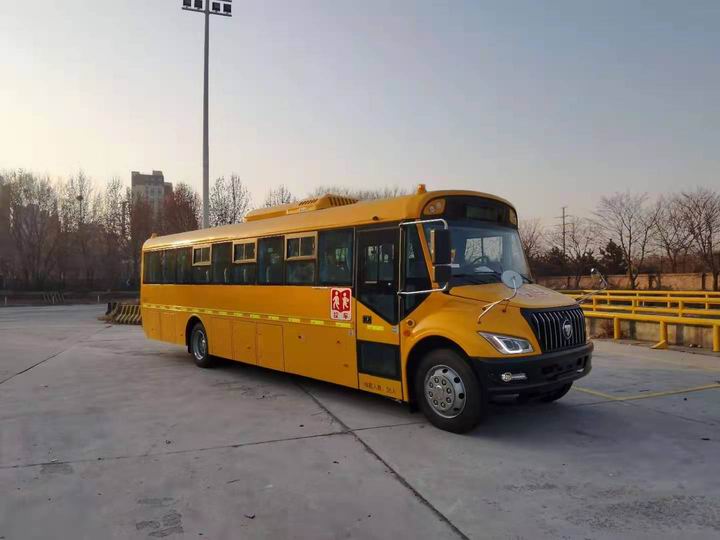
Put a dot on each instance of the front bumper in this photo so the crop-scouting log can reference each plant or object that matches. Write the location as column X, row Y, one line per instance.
column 545, row 372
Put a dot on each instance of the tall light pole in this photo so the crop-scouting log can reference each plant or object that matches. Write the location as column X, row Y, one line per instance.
column 208, row 7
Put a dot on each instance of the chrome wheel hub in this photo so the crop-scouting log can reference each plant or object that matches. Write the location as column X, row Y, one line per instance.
column 445, row 391
column 199, row 345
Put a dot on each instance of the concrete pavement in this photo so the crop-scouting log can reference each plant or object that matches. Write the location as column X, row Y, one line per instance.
column 104, row 434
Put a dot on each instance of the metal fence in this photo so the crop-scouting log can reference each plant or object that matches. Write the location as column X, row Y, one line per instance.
column 691, row 308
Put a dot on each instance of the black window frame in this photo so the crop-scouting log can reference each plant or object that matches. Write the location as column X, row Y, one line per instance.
column 224, row 250
column 260, row 262
column 322, row 238
column 294, row 264
column 411, row 301
column 169, row 259
column 152, row 267
column 184, row 254
column 380, row 287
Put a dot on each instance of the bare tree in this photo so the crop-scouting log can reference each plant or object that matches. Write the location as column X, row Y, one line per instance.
column 80, row 208
column 627, row 219
column 142, row 225
column 701, row 211
column 7, row 250
column 672, row 235
column 360, row 194
column 279, row 195
column 532, row 237
column 580, row 237
column 113, row 220
column 229, row 201
column 34, row 225
column 181, row 210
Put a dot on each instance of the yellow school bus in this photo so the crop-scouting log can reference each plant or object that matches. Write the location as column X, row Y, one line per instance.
column 426, row 299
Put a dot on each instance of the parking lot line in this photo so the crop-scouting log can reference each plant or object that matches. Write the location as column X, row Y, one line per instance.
column 714, row 386
column 595, row 393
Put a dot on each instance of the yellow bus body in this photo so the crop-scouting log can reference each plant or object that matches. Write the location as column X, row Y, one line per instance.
column 289, row 327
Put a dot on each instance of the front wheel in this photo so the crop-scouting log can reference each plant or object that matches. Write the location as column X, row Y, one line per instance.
column 199, row 346
column 448, row 391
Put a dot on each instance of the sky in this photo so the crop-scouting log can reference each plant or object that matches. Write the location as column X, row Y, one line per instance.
column 547, row 104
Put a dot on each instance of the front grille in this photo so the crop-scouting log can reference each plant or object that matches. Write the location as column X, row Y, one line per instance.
column 552, row 327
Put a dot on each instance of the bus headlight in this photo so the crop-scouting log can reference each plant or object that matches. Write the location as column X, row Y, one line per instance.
column 508, row 344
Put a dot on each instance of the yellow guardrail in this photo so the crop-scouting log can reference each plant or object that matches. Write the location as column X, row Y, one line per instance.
column 679, row 305
column 663, row 320
column 692, row 308
column 653, row 293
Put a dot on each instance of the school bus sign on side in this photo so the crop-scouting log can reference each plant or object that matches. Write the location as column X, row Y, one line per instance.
column 341, row 304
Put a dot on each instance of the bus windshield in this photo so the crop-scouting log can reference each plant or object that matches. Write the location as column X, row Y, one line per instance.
column 481, row 252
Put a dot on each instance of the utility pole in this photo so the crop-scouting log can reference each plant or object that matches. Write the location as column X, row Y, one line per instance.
column 563, row 217
column 207, row 7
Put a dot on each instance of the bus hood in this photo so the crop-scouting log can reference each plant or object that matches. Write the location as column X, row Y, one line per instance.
column 528, row 296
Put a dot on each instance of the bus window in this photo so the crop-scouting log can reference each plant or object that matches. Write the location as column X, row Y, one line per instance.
column 300, row 257
column 335, row 254
column 378, row 280
column 244, row 252
column 244, row 265
column 201, row 265
column 244, row 274
column 301, row 272
column 270, row 261
column 221, row 263
column 184, row 266
column 152, row 270
column 416, row 273
column 299, row 247
column 169, row 266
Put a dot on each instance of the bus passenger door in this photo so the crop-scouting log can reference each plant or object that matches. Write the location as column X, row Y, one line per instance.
column 378, row 338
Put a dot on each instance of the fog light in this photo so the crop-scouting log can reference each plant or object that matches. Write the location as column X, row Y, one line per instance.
column 509, row 377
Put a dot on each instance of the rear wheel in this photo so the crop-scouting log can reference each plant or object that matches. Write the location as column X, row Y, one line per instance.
column 448, row 391
column 556, row 394
column 199, row 346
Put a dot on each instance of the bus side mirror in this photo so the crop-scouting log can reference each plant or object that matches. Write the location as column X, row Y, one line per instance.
column 441, row 247
column 442, row 274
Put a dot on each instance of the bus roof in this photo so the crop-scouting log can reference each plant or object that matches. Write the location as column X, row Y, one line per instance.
column 349, row 214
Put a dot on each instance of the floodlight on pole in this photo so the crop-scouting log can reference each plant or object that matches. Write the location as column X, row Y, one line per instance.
column 207, row 7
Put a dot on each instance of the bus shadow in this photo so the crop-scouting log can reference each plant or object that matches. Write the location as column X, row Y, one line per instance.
column 507, row 418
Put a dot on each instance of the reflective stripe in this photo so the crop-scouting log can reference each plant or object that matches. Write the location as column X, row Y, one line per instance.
column 255, row 316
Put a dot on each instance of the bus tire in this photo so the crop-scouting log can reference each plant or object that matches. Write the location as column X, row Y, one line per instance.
column 448, row 392
column 199, row 346
column 556, row 394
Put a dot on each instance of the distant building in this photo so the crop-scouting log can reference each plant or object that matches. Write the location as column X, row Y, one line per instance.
column 151, row 187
